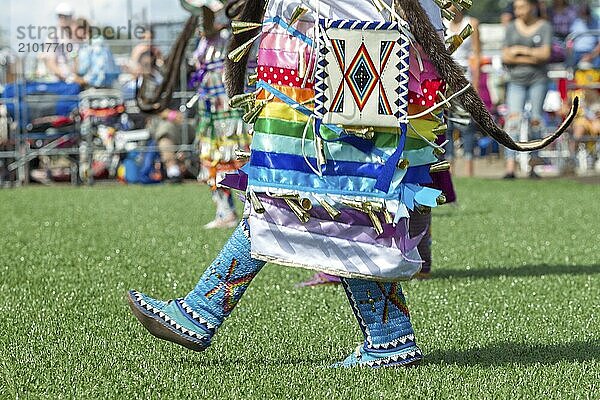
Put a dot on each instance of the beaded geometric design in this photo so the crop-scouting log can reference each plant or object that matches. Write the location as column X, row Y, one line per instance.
column 397, row 359
column 362, row 73
column 229, row 287
column 339, row 49
column 158, row 313
column 395, row 297
column 387, row 49
column 361, row 76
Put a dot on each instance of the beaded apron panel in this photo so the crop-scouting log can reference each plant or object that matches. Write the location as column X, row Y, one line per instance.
column 362, row 73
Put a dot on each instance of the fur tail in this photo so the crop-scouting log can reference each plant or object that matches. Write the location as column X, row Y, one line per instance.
column 235, row 72
column 159, row 100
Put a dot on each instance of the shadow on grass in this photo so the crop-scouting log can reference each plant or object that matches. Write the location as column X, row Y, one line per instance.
column 529, row 270
column 517, row 353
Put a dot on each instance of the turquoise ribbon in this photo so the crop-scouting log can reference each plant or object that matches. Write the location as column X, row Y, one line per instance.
column 292, row 31
column 309, row 182
column 391, row 165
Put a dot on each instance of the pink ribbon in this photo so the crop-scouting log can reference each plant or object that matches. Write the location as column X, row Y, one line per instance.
column 283, row 59
column 276, row 41
column 417, row 77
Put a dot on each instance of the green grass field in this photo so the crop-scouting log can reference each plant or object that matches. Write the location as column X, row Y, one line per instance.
column 513, row 310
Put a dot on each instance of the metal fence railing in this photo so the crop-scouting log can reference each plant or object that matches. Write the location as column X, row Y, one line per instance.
column 23, row 145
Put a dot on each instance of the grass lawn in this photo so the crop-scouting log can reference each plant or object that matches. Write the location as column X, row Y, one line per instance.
column 513, row 310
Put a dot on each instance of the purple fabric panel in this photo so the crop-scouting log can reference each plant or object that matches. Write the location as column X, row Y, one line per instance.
column 354, row 233
column 443, row 180
column 349, row 216
column 237, row 180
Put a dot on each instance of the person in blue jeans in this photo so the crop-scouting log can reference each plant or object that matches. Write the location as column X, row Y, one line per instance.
column 468, row 56
column 586, row 48
column 527, row 49
column 467, row 134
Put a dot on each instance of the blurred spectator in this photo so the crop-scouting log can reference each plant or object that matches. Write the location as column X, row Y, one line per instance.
column 8, row 67
column 168, row 130
column 527, row 49
column 60, row 63
column 586, row 48
column 589, row 123
column 509, row 12
column 95, row 65
column 145, row 57
column 588, row 120
column 4, row 145
column 561, row 15
column 468, row 55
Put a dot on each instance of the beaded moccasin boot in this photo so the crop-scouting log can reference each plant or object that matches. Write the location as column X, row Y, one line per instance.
column 192, row 321
column 382, row 314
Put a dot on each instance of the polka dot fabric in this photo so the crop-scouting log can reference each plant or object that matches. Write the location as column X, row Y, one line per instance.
column 429, row 88
column 282, row 77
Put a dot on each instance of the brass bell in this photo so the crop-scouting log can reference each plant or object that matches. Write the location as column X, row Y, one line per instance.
column 381, row 208
column 373, row 217
column 363, row 133
column 251, row 116
column 242, row 155
column 238, row 27
column 447, row 14
column 443, row 4
column 192, row 102
column 463, row 4
column 237, row 54
column 441, row 199
column 252, row 79
column 333, row 212
column 354, row 204
column 439, row 167
column 240, row 100
column 377, row 207
column 387, row 216
column 302, row 215
column 369, row 209
column 423, row 209
column 305, row 203
column 320, row 150
column 455, row 41
column 403, row 164
column 297, row 14
column 440, row 129
column 256, row 203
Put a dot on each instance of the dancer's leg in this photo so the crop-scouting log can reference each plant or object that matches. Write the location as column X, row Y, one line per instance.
column 383, row 316
column 193, row 320
column 226, row 217
column 418, row 224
